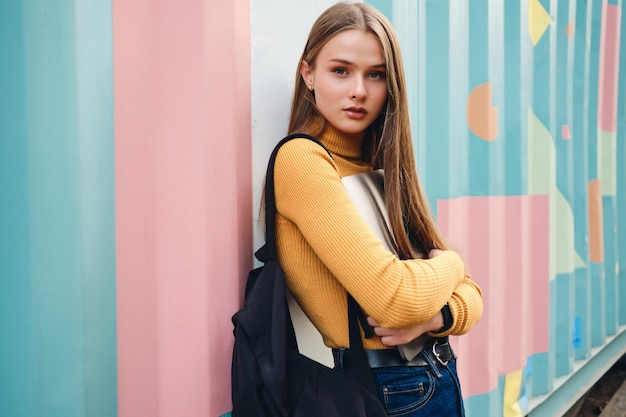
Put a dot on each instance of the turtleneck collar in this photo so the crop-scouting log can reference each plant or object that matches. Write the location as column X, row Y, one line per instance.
column 340, row 145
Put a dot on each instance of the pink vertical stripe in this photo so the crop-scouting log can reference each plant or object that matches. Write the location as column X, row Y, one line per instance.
column 609, row 67
column 504, row 241
column 538, row 260
column 566, row 134
column 183, row 168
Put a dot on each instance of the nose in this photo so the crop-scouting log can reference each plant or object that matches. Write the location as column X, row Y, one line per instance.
column 358, row 90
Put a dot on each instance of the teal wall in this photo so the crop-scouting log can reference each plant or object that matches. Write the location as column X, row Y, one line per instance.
column 57, row 260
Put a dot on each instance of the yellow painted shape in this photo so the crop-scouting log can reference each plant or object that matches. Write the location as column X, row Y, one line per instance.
column 512, row 391
column 538, row 20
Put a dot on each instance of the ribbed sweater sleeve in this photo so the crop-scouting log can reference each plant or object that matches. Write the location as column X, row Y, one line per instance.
column 327, row 228
column 466, row 306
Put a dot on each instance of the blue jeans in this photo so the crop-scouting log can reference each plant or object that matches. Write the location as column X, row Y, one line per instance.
column 431, row 390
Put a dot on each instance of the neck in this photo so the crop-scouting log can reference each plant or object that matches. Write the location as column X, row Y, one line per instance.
column 346, row 146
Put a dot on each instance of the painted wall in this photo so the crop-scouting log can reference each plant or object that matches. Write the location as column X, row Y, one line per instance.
column 182, row 164
column 57, row 224
column 126, row 205
column 519, row 119
column 133, row 144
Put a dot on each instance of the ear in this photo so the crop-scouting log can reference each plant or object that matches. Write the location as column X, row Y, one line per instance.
column 307, row 75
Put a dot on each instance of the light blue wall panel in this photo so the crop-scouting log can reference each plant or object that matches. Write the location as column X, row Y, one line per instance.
column 57, row 240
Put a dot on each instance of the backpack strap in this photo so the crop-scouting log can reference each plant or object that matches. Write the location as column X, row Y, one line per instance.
column 269, row 253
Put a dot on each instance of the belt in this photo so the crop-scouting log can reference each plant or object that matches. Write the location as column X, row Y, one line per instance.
column 441, row 351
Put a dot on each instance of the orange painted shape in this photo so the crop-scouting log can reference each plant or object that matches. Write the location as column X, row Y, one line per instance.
column 482, row 117
column 569, row 30
column 596, row 235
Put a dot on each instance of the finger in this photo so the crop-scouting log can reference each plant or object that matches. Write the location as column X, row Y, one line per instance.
column 372, row 322
column 434, row 252
column 390, row 341
column 383, row 331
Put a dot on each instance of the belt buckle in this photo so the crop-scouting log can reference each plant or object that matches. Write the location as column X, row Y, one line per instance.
column 444, row 363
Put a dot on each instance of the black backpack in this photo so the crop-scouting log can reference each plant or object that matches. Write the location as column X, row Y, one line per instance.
column 270, row 378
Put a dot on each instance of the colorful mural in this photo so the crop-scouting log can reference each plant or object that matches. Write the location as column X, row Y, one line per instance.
column 133, row 143
column 523, row 178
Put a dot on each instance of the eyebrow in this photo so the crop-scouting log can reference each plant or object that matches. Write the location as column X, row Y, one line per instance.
column 346, row 62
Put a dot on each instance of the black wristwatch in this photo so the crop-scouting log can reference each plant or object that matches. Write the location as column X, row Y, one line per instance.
column 448, row 321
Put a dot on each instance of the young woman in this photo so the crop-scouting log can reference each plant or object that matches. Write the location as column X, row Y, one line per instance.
column 350, row 93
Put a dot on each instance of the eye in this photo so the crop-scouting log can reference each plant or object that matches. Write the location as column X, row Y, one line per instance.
column 340, row 71
column 377, row 75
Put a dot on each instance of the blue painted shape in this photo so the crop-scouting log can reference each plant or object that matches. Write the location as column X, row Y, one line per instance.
column 479, row 152
column 610, row 279
column 563, row 97
column 95, row 134
column 514, row 109
column 58, row 304
column 55, row 250
column 437, row 102
column 580, row 135
column 564, row 309
column 459, row 141
column 488, row 404
column 17, row 323
column 541, row 377
column 582, row 312
column 577, row 332
column 597, row 322
column 593, row 37
column 543, row 87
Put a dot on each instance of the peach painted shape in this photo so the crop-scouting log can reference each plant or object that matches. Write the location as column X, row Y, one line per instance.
column 609, row 67
column 596, row 231
column 569, row 30
column 504, row 241
column 482, row 117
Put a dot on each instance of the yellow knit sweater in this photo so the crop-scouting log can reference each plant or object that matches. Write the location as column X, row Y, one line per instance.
column 326, row 248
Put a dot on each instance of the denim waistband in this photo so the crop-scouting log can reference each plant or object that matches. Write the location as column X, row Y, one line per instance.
column 438, row 352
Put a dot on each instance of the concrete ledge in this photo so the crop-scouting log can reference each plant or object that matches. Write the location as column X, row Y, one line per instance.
column 568, row 390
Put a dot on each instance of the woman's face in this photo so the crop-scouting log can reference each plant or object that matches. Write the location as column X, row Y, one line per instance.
column 349, row 81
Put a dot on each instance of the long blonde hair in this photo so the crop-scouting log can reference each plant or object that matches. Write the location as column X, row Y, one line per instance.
column 387, row 143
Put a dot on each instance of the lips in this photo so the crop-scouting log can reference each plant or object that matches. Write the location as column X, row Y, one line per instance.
column 355, row 112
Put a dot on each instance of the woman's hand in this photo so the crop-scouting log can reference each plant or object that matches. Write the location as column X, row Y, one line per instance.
column 401, row 336
column 434, row 252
